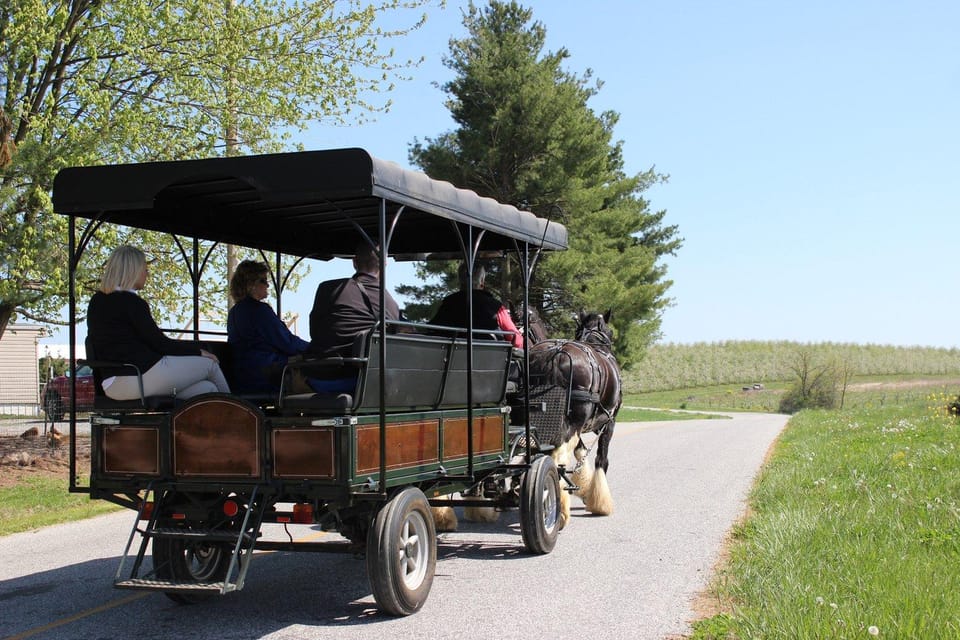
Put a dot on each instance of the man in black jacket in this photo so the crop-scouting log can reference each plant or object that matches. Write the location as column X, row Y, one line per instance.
column 345, row 308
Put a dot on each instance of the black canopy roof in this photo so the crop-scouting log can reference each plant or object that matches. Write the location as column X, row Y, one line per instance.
column 300, row 203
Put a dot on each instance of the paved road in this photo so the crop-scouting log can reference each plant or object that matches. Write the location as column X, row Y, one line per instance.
column 678, row 487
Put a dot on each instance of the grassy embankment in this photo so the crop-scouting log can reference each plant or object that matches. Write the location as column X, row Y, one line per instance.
column 853, row 531
column 44, row 500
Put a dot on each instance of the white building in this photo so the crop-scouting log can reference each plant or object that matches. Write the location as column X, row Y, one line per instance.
column 19, row 370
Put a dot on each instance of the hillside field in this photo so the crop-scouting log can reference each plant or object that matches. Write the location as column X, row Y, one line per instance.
column 753, row 375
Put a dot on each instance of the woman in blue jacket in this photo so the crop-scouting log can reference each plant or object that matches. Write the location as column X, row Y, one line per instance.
column 259, row 341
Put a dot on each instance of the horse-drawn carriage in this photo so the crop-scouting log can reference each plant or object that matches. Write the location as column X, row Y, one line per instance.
column 429, row 418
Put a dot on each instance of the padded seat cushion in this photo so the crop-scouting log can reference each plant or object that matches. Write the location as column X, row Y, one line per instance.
column 317, row 402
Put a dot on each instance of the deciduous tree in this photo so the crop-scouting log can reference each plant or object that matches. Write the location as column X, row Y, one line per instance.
column 89, row 81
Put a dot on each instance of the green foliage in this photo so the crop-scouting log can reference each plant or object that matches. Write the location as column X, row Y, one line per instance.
column 97, row 82
column 853, row 530
column 51, row 367
column 526, row 136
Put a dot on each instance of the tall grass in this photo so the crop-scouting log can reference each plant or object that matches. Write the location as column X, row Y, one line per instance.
column 854, row 530
column 677, row 366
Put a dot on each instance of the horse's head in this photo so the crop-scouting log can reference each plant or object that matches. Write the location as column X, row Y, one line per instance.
column 593, row 328
column 533, row 326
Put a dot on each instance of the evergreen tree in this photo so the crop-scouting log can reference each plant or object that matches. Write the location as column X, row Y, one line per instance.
column 526, row 136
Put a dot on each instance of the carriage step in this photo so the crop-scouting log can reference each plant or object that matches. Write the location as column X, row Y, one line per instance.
column 199, row 535
column 172, row 586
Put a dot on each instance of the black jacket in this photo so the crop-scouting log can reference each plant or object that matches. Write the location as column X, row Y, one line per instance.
column 453, row 310
column 120, row 327
column 345, row 308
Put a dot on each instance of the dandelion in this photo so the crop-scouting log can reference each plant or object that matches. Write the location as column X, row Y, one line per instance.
column 873, row 630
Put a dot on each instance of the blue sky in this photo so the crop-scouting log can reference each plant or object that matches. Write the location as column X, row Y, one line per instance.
column 813, row 151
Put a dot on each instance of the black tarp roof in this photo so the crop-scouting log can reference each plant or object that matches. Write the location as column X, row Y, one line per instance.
column 298, row 203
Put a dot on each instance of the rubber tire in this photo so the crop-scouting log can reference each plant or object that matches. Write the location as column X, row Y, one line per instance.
column 53, row 406
column 402, row 553
column 193, row 562
column 540, row 506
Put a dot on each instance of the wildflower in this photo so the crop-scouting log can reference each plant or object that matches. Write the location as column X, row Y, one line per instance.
column 873, row 630
column 820, row 600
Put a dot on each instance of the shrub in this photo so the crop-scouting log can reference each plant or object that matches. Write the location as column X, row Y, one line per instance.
column 815, row 386
column 954, row 408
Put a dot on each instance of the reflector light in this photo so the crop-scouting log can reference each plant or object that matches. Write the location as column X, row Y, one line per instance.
column 303, row 513
column 283, row 519
column 146, row 511
column 179, row 516
column 230, row 508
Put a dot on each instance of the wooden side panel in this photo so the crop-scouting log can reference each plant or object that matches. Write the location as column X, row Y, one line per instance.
column 409, row 444
column 129, row 450
column 303, row 453
column 217, row 437
column 488, row 436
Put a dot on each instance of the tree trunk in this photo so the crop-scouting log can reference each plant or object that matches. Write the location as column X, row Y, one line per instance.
column 6, row 312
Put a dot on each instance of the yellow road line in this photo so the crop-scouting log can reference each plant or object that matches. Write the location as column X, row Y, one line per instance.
column 83, row 614
column 119, row 602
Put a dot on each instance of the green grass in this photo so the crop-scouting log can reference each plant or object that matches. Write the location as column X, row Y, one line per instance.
column 631, row 414
column 42, row 501
column 854, row 525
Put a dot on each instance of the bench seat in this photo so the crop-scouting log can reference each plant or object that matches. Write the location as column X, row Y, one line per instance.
column 424, row 372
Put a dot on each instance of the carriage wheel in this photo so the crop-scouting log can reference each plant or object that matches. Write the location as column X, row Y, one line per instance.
column 190, row 562
column 540, row 505
column 402, row 553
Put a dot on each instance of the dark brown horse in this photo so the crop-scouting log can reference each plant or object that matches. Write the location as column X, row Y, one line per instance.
column 578, row 382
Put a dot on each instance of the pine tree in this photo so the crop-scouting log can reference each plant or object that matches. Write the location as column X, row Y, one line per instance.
column 527, row 136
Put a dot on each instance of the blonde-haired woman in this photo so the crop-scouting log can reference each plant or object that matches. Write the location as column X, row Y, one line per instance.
column 120, row 327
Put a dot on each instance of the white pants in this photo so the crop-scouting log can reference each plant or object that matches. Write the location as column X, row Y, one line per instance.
column 180, row 376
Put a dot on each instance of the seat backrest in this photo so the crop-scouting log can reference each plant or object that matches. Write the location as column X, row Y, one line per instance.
column 491, row 364
column 416, row 366
column 429, row 372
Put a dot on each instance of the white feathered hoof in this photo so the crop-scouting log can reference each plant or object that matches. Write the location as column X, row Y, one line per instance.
column 444, row 519
column 564, row 505
column 583, row 478
column 481, row 514
column 597, row 498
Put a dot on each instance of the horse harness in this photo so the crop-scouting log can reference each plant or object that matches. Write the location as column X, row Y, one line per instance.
column 599, row 379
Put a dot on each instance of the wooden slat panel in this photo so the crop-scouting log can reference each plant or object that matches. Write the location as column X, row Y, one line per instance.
column 303, row 453
column 131, row 450
column 408, row 444
column 217, row 437
column 487, row 436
